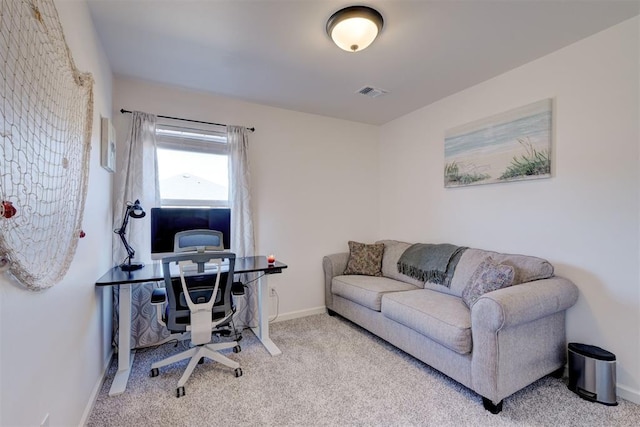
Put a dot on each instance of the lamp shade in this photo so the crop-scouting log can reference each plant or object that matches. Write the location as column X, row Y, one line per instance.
column 354, row 28
column 136, row 210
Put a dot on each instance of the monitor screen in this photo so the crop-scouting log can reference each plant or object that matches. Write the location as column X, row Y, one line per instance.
column 166, row 222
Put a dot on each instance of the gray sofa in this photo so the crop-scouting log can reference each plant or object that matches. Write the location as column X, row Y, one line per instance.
column 509, row 338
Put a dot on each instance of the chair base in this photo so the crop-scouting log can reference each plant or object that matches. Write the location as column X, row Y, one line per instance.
column 209, row 351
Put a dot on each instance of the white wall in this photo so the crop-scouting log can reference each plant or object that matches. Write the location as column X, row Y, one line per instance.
column 54, row 344
column 314, row 180
column 318, row 182
column 584, row 219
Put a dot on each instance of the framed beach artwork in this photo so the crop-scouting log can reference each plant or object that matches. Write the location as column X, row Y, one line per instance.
column 511, row 146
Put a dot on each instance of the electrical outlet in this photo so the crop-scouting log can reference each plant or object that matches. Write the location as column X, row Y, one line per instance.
column 272, row 292
column 45, row 421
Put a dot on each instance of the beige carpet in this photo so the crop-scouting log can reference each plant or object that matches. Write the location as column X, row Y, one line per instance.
column 332, row 373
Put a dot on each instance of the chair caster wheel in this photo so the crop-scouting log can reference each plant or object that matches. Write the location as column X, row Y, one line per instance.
column 180, row 392
column 238, row 372
column 154, row 372
column 237, row 349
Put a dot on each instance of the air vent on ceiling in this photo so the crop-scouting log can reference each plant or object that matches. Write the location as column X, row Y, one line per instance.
column 372, row 92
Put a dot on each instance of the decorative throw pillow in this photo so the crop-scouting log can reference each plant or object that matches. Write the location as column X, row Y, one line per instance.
column 489, row 276
column 365, row 259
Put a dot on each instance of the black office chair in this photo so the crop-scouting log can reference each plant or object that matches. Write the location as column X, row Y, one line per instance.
column 199, row 301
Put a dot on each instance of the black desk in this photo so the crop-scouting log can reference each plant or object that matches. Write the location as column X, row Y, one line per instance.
column 153, row 273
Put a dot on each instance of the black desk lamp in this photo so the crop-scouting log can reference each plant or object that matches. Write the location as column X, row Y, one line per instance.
column 135, row 211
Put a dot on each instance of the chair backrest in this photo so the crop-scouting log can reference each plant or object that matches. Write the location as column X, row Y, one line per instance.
column 200, row 283
column 200, row 240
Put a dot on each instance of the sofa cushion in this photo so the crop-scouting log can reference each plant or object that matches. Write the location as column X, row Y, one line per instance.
column 526, row 269
column 438, row 316
column 489, row 276
column 393, row 250
column 365, row 259
column 366, row 290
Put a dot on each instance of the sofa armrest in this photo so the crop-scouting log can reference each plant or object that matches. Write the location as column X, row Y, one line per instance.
column 333, row 265
column 523, row 303
column 519, row 335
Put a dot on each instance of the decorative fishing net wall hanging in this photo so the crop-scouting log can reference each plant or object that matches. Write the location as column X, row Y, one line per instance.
column 46, row 107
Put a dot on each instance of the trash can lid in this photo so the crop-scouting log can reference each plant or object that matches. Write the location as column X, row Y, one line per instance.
column 592, row 351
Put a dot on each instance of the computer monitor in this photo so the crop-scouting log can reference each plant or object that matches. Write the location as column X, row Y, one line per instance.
column 166, row 222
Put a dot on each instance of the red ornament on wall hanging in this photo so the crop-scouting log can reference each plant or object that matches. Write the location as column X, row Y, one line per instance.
column 7, row 209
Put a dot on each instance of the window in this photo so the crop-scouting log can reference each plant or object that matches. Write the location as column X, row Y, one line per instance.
column 193, row 166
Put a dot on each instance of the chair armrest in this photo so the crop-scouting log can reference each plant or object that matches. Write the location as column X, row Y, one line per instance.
column 523, row 303
column 158, row 296
column 333, row 265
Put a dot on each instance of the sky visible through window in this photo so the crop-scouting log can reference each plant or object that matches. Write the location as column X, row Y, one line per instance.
column 192, row 175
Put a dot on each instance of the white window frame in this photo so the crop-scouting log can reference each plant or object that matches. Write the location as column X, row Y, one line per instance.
column 184, row 138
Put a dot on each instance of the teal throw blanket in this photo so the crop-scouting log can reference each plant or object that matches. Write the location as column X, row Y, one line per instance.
column 433, row 263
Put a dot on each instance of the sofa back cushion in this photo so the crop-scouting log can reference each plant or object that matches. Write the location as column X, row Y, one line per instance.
column 526, row 269
column 393, row 249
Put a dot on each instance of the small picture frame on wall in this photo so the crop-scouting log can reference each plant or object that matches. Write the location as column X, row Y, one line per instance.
column 108, row 145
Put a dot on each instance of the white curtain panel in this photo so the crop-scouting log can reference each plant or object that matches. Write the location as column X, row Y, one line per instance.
column 137, row 178
column 242, row 237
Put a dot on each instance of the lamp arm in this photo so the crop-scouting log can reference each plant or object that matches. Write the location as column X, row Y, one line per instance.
column 130, row 251
column 122, row 231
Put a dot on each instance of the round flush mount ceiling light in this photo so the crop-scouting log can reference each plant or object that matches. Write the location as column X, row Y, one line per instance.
column 354, row 28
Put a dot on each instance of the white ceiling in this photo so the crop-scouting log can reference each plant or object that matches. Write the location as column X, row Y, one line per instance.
column 276, row 52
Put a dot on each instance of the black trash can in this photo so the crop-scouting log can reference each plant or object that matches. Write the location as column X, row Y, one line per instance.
column 592, row 373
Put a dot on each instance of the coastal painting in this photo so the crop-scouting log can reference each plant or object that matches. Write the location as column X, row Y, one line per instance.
column 511, row 146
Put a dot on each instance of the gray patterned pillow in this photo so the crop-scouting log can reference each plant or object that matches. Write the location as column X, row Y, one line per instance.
column 364, row 259
column 489, row 276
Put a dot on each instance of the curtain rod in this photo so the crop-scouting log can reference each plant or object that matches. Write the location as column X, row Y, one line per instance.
column 123, row 111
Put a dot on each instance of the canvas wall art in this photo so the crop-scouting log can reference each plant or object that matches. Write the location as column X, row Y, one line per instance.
column 511, row 146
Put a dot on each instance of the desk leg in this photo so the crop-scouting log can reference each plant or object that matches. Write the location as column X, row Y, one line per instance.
column 125, row 355
column 262, row 331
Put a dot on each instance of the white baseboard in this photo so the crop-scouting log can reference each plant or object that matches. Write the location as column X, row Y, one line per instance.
column 628, row 394
column 301, row 313
column 96, row 389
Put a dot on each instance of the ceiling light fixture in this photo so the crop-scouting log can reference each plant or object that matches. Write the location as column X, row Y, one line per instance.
column 354, row 28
